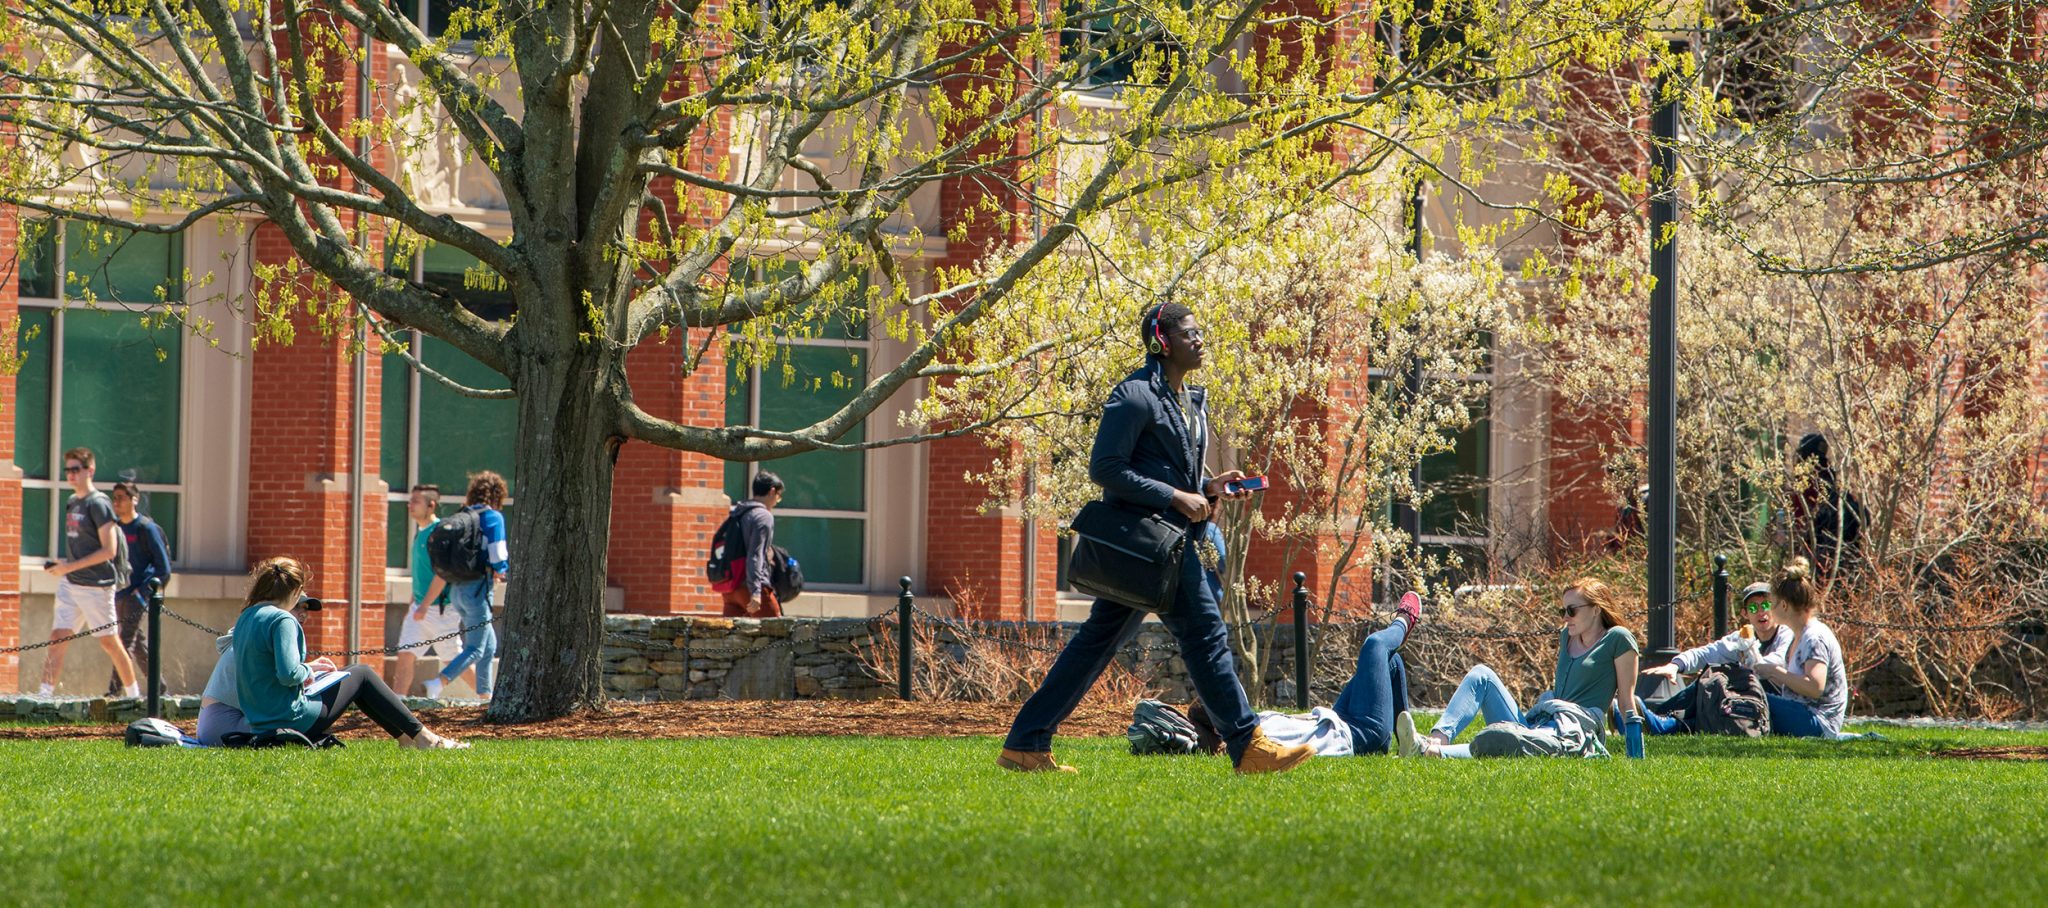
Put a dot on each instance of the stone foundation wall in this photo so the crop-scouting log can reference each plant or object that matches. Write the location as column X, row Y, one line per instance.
column 799, row 658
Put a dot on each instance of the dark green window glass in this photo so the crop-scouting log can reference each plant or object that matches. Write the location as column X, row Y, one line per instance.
column 121, row 383
column 37, row 335
column 839, row 311
column 115, row 265
column 36, row 274
column 461, row 276
column 738, row 400
column 801, row 388
column 398, row 537
column 394, row 424
column 35, row 523
column 1458, row 478
column 162, row 507
column 829, row 549
column 460, row 435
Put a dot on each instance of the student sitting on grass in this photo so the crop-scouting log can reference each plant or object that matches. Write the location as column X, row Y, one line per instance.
column 271, row 671
column 1361, row 722
column 1813, row 684
column 1768, row 639
column 1596, row 656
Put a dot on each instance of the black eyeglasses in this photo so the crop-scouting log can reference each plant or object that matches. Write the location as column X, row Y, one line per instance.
column 1193, row 334
column 1570, row 610
column 71, row 468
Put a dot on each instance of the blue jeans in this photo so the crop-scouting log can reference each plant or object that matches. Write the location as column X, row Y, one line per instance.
column 1377, row 690
column 1196, row 624
column 1480, row 693
column 472, row 601
column 1794, row 719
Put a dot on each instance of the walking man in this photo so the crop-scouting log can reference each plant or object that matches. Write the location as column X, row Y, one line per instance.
column 149, row 559
column 1149, row 451
column 752, row 590
column 85, row 593
column 427, row 616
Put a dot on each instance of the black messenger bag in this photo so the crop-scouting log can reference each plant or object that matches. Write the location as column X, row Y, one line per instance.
column 1128, row 556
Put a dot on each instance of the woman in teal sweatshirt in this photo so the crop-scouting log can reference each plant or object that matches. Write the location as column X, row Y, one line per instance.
column 272, row 675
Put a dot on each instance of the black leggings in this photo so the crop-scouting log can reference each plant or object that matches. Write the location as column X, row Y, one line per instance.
column 371, row 695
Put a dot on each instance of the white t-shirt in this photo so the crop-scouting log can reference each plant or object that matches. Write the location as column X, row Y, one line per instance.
column 1321, row 730
column 1818, row 644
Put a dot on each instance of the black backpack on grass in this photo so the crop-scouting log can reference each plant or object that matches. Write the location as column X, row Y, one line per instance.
column 455, row 547
column 1729, row 700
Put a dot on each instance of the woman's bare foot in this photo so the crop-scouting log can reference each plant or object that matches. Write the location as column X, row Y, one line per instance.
column 427, row 740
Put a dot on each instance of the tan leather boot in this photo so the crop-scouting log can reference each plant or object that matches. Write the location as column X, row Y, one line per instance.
column 1031, row 761
column 1264, row 754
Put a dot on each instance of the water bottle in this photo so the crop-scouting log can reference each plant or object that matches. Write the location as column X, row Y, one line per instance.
column 1632, row 732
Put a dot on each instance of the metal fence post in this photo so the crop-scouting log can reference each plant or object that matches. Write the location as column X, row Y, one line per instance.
column 1720, row 596
column 1301, row 659
column 156, row 648
column 903, row 607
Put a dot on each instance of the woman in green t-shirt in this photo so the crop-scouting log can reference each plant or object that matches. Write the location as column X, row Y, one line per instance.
column 1596, row 656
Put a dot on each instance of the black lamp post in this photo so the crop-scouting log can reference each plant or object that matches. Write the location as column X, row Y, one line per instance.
column 1662, row 507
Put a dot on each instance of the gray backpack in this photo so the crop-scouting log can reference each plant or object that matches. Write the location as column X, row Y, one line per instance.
column 1157, row 728
column 1729, row 700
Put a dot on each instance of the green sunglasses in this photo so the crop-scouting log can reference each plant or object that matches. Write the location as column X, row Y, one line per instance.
column 1757, row 604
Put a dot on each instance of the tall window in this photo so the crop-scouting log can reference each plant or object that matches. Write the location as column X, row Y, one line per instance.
column 102, row 368
column 430, row 433
column 823, row 519
column 432, row 15
column 1455, row 518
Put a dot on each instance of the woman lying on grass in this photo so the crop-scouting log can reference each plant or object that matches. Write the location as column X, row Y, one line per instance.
column 1361, row 722
column 272, row 674
column 1596, row 656
column 1813, row 695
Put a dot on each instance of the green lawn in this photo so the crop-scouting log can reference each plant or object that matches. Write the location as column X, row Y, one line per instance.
column 865, row 821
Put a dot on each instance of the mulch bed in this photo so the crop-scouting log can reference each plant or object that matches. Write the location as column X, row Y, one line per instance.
column 707, row 719
column 2020, row 752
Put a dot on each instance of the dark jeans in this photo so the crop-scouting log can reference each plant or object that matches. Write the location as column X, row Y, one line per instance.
column 1196, row 624
column 1677, row 708
column 1378, row 689
column 368, row 692
column 133, row 614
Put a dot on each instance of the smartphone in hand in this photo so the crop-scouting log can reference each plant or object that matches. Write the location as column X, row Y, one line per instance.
column 1247, row 484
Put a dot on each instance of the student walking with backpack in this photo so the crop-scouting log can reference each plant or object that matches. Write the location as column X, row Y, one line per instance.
column 96, row 566
column 429, row 616
column 469, row 553
column 743, row 550
column 150, row 559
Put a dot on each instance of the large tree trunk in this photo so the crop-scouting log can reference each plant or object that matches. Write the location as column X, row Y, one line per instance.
column 554, row 616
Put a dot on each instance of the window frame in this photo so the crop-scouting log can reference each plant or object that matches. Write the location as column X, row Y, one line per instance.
column 1489, row 378
column 757, row 270
column 58, row 306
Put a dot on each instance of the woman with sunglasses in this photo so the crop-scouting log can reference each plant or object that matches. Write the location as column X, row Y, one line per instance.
column 272, row 674
column 1813, row 683
column 1596, row 657
column 1772, row 641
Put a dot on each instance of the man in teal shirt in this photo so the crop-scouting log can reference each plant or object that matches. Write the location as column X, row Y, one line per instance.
column 427, row 616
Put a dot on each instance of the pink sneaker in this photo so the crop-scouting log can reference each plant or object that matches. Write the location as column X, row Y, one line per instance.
column 1411, row 609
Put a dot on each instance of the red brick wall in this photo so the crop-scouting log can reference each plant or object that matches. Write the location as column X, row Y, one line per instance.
column 10, row 476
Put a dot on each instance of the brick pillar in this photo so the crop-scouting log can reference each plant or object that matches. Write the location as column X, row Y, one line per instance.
column 667, row 503
column 976, row 557
column 10, row 475
column 300, row 400
column 299, row 404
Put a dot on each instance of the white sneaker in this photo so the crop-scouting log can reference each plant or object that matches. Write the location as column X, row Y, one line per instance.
column 433, row 688
column 1406, row 742
column 47, row 691
column 132, row 691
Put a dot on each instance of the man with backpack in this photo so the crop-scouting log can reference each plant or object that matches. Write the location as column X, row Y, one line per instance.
column 98, row 565
column 150, row 558
column 744, row 548
column 1727, row 698
column 469, row 554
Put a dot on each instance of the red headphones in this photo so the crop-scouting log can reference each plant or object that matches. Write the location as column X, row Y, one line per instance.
column 1157, row 342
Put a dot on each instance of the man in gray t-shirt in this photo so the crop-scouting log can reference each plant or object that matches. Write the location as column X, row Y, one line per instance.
column 86, row 578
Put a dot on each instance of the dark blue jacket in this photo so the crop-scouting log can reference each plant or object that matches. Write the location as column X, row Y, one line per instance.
column 1143, row 452
column 148, row 556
